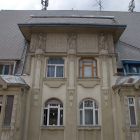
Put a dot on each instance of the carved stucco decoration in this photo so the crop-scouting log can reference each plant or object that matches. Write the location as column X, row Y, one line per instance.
column 38, row 42
column 72, row 39
column 103, row 48
column 88, row 83
column 55, row 83
column 71, row 97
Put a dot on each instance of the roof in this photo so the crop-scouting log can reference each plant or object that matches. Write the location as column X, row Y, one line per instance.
column 125, row 81
column 12, row 41
column 10, row 80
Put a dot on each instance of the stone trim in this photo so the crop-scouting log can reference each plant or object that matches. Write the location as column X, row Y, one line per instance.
column 89, row 128
column 54, row 82
column 52, row 128
column 88, row 83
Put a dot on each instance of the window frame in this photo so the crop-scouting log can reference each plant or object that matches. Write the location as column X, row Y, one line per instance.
column 93, row 108
column 47, row 108
column 132, row 105
column 128, row 64
column 7, row 123
column 83, row 65
column 1, row 103
column 55, row 68
column 11, row 65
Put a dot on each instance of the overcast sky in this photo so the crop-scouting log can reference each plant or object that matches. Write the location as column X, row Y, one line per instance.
column 108, row 5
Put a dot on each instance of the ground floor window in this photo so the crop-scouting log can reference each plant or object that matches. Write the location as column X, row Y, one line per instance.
column 132, row 111
column 53, row 113
column 89, row 113
column 8, row 110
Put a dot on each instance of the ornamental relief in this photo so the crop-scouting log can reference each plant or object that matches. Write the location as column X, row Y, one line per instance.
column 72, row 39
column 103, row 47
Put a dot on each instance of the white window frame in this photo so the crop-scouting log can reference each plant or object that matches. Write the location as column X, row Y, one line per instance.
column 134, row 105
column 88, row 108
column 48, row 107
column 54, row 65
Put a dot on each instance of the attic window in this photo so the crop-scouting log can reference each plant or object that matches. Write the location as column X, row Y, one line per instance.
column 6, row 69
column 131, row 67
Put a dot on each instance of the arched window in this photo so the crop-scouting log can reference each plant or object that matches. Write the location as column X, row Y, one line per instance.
column 53, row 113
column 89, row 112
column 88, row 68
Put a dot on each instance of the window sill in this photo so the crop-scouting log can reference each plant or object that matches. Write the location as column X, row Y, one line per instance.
column 6, row 127
column 52, row 127
column 54, row 82
column 134, row 128
column 88, row 82
column 89, row 128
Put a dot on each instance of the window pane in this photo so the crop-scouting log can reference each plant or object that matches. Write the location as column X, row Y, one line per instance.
column 45, row 116
column 88, row 116
column 96, row 117
column 1, row 103
column 1, row 69
column 87, row 71
column 132, row 115
column 88, row 103
column 59, row 71
column 131, row 101
column 51, row 71
column 8, row 110
column 55, row 61
column 81, row 118
column 53, row 116
column 6, row 70
column 61, row 117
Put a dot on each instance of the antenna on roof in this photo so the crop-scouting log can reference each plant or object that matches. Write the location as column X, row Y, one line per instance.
column 131, row 6
column 100, row 4
column 45, row 4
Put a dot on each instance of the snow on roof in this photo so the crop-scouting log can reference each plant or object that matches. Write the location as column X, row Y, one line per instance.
column 127, row 81
column 11, row 79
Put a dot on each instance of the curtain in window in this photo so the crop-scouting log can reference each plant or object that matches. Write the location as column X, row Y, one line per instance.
column 51, row 71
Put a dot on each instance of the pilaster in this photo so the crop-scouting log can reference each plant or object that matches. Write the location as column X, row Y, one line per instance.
column 36, row 89
column 107, row 132
column 71, row 97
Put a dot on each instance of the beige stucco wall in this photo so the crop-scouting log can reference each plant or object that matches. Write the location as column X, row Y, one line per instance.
column 71, row 89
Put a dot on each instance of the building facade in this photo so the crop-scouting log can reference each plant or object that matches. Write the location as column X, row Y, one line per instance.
column 71, row 85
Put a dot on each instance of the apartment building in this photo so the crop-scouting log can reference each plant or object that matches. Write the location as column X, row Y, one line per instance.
column 69, row 75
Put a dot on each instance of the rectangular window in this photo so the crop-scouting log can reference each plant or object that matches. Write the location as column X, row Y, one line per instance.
column 8, row 110
column 6, row 69
column 88, row 68
column 55, row 68
column 131, row 67
column 132, row 111
column 1, row 97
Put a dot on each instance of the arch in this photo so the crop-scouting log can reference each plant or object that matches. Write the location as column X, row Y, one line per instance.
column 89, row 112
column 52, row 100
column 53, row 112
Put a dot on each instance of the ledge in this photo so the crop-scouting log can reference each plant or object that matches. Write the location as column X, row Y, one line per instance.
column 89, row 128
column 53, row 128
column 54, row 82
column 88, row 82
column 134, row 128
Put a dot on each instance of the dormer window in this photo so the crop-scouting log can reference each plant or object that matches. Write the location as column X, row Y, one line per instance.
column 6, row 69
column 131, row 67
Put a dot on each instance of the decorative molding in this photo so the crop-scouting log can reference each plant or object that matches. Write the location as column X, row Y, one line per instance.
column 88, row 83
column 72, row 39
column 103, row 48
column 54, row 82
